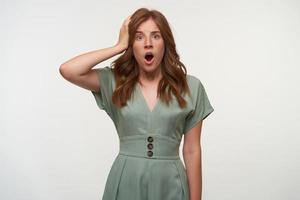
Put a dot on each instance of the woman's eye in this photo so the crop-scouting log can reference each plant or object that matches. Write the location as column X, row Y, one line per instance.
column 138, row 37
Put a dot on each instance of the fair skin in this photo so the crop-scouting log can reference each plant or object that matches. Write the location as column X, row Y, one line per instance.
column 193, row 161
column 148, row 39
column 78, row 71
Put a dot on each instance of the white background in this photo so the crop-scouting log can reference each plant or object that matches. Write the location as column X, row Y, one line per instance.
column 56, row 144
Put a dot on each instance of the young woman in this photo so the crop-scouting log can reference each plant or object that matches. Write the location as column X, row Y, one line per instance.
column 153, row 102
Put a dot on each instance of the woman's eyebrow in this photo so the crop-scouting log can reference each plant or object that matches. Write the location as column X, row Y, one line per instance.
column 151, row 32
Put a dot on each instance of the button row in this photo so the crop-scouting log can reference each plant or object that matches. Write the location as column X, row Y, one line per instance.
column 150, row 146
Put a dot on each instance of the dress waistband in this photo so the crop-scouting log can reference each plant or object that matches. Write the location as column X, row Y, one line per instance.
column 152, row 146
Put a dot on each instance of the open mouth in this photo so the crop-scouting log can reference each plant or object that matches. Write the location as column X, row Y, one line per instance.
column 149, row 56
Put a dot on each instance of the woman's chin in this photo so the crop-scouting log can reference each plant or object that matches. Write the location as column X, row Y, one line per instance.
column 150, row 68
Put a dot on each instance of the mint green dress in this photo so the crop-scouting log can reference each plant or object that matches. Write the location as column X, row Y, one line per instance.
column 148, row 166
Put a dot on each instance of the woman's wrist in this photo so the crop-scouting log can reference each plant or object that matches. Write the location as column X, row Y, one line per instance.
column 120, row 48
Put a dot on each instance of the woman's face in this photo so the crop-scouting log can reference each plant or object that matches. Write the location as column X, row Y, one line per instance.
column 148, row 40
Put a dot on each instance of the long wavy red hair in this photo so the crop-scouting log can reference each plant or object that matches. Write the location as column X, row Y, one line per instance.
column 126, row 69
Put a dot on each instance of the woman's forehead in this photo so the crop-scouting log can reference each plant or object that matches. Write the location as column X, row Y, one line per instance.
column 148, row 26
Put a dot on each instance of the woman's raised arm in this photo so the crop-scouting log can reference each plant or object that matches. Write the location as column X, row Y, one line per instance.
column 78, row 70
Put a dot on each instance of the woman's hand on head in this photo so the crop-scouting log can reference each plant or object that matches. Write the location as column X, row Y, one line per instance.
column 124, row 35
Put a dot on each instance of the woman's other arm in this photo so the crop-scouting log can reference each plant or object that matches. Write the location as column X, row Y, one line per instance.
column 192, row 159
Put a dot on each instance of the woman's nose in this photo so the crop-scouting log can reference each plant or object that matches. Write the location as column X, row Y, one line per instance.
column 148, row 42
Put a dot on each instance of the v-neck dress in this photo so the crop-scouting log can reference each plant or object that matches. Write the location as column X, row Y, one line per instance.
column 148, row 166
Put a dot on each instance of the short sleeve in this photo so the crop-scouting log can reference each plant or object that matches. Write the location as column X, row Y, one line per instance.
column 202, row 107
column 104, row 95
